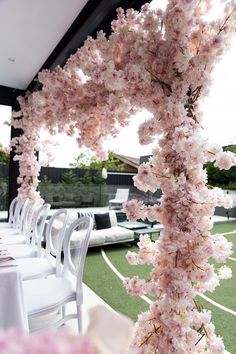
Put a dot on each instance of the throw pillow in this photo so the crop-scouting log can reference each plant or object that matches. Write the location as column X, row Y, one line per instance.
column 113, row 218
column 102, row 221
column 88, row 213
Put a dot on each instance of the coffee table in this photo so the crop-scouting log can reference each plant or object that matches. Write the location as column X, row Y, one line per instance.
column 132, row 225
column 150, row 231
column 140, row 228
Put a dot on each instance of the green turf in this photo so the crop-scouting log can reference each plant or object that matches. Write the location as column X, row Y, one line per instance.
column 108, row 286
column 98, row 276
column 232, row 238
column 225, row 324
column 224, row 227
column 225, row 295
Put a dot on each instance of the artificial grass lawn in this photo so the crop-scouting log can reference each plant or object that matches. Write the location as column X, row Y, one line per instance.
column 225, row 324
column 224, row 227
column 99, row 277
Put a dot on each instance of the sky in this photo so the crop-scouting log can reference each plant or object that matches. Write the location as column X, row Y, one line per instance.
column 219, row 123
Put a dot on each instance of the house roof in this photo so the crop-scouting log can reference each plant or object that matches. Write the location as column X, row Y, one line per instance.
column 132, row 161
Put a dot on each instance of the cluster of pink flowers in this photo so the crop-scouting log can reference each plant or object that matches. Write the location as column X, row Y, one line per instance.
column 161, row 61
column 14, row 342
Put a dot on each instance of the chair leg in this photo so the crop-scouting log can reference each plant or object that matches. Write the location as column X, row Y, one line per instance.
column 63, row 311
column 79, row 318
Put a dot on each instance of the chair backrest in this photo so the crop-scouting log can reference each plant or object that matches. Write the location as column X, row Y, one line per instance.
column 38, row 224
column 17, row 213
column 23, row 213
column 32, row 208
column 76, row 266
column 55, row 236
column 12, row 210
column 122, row 194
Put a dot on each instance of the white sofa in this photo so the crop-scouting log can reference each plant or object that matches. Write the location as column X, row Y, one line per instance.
column 103, row 237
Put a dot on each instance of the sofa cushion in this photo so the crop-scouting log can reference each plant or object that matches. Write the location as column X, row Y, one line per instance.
column 72, row 216
column 113, row 218
column 101, row 237
column 97, row 238
column 102, row 221
column 118, row 234
column 88, row 213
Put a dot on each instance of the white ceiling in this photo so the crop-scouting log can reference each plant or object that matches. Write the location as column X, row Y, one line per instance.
column 29, row 31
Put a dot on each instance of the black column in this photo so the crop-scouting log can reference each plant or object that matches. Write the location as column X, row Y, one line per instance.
column 14, row 165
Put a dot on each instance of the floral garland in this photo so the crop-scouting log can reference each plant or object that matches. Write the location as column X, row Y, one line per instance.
column 161, row 61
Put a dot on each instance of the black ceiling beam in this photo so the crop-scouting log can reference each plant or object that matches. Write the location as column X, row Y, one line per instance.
column 8, row 95
column 96, row 15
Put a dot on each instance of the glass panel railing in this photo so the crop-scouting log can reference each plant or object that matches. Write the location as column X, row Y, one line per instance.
column 3, row 187
column 61, row 195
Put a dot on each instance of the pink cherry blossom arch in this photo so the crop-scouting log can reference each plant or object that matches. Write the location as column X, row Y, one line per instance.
column 161, row 61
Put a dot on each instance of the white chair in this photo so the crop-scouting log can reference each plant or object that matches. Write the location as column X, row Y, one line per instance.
column 41, row 267
column 12, row 209
column 25, row 229
column 46, row 296
column 33, row 248
column 120, row 197
column 18, row 217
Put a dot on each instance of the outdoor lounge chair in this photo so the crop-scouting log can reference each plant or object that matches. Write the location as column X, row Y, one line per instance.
column 121, row 197
column 231, row 212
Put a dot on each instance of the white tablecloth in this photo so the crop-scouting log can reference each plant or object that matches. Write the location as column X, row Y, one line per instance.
column 12, row 309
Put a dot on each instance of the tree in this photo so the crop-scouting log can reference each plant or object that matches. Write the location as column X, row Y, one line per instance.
column 70, row 178
column 231, row 148
column 87, row 161
column 4, row 155
column 222, row 178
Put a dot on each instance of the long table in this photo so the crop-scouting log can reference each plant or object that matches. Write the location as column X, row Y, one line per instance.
column 12, row 309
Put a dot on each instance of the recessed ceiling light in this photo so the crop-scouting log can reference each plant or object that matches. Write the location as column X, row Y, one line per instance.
column 12, row 59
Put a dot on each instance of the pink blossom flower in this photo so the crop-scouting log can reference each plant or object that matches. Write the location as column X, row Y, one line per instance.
column 134, row 286
column 222, row 248
column 134, row 209
column 132, row 257
column 217, row 345
column 225, row 272
column 224, row 161
column 146, row 179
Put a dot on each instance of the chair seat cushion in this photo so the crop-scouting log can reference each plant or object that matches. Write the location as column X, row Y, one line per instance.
column 13, row 239
column 22, row 251
column 45, row 295
column 8, row 231
column 4, row 225
column 34, row 268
